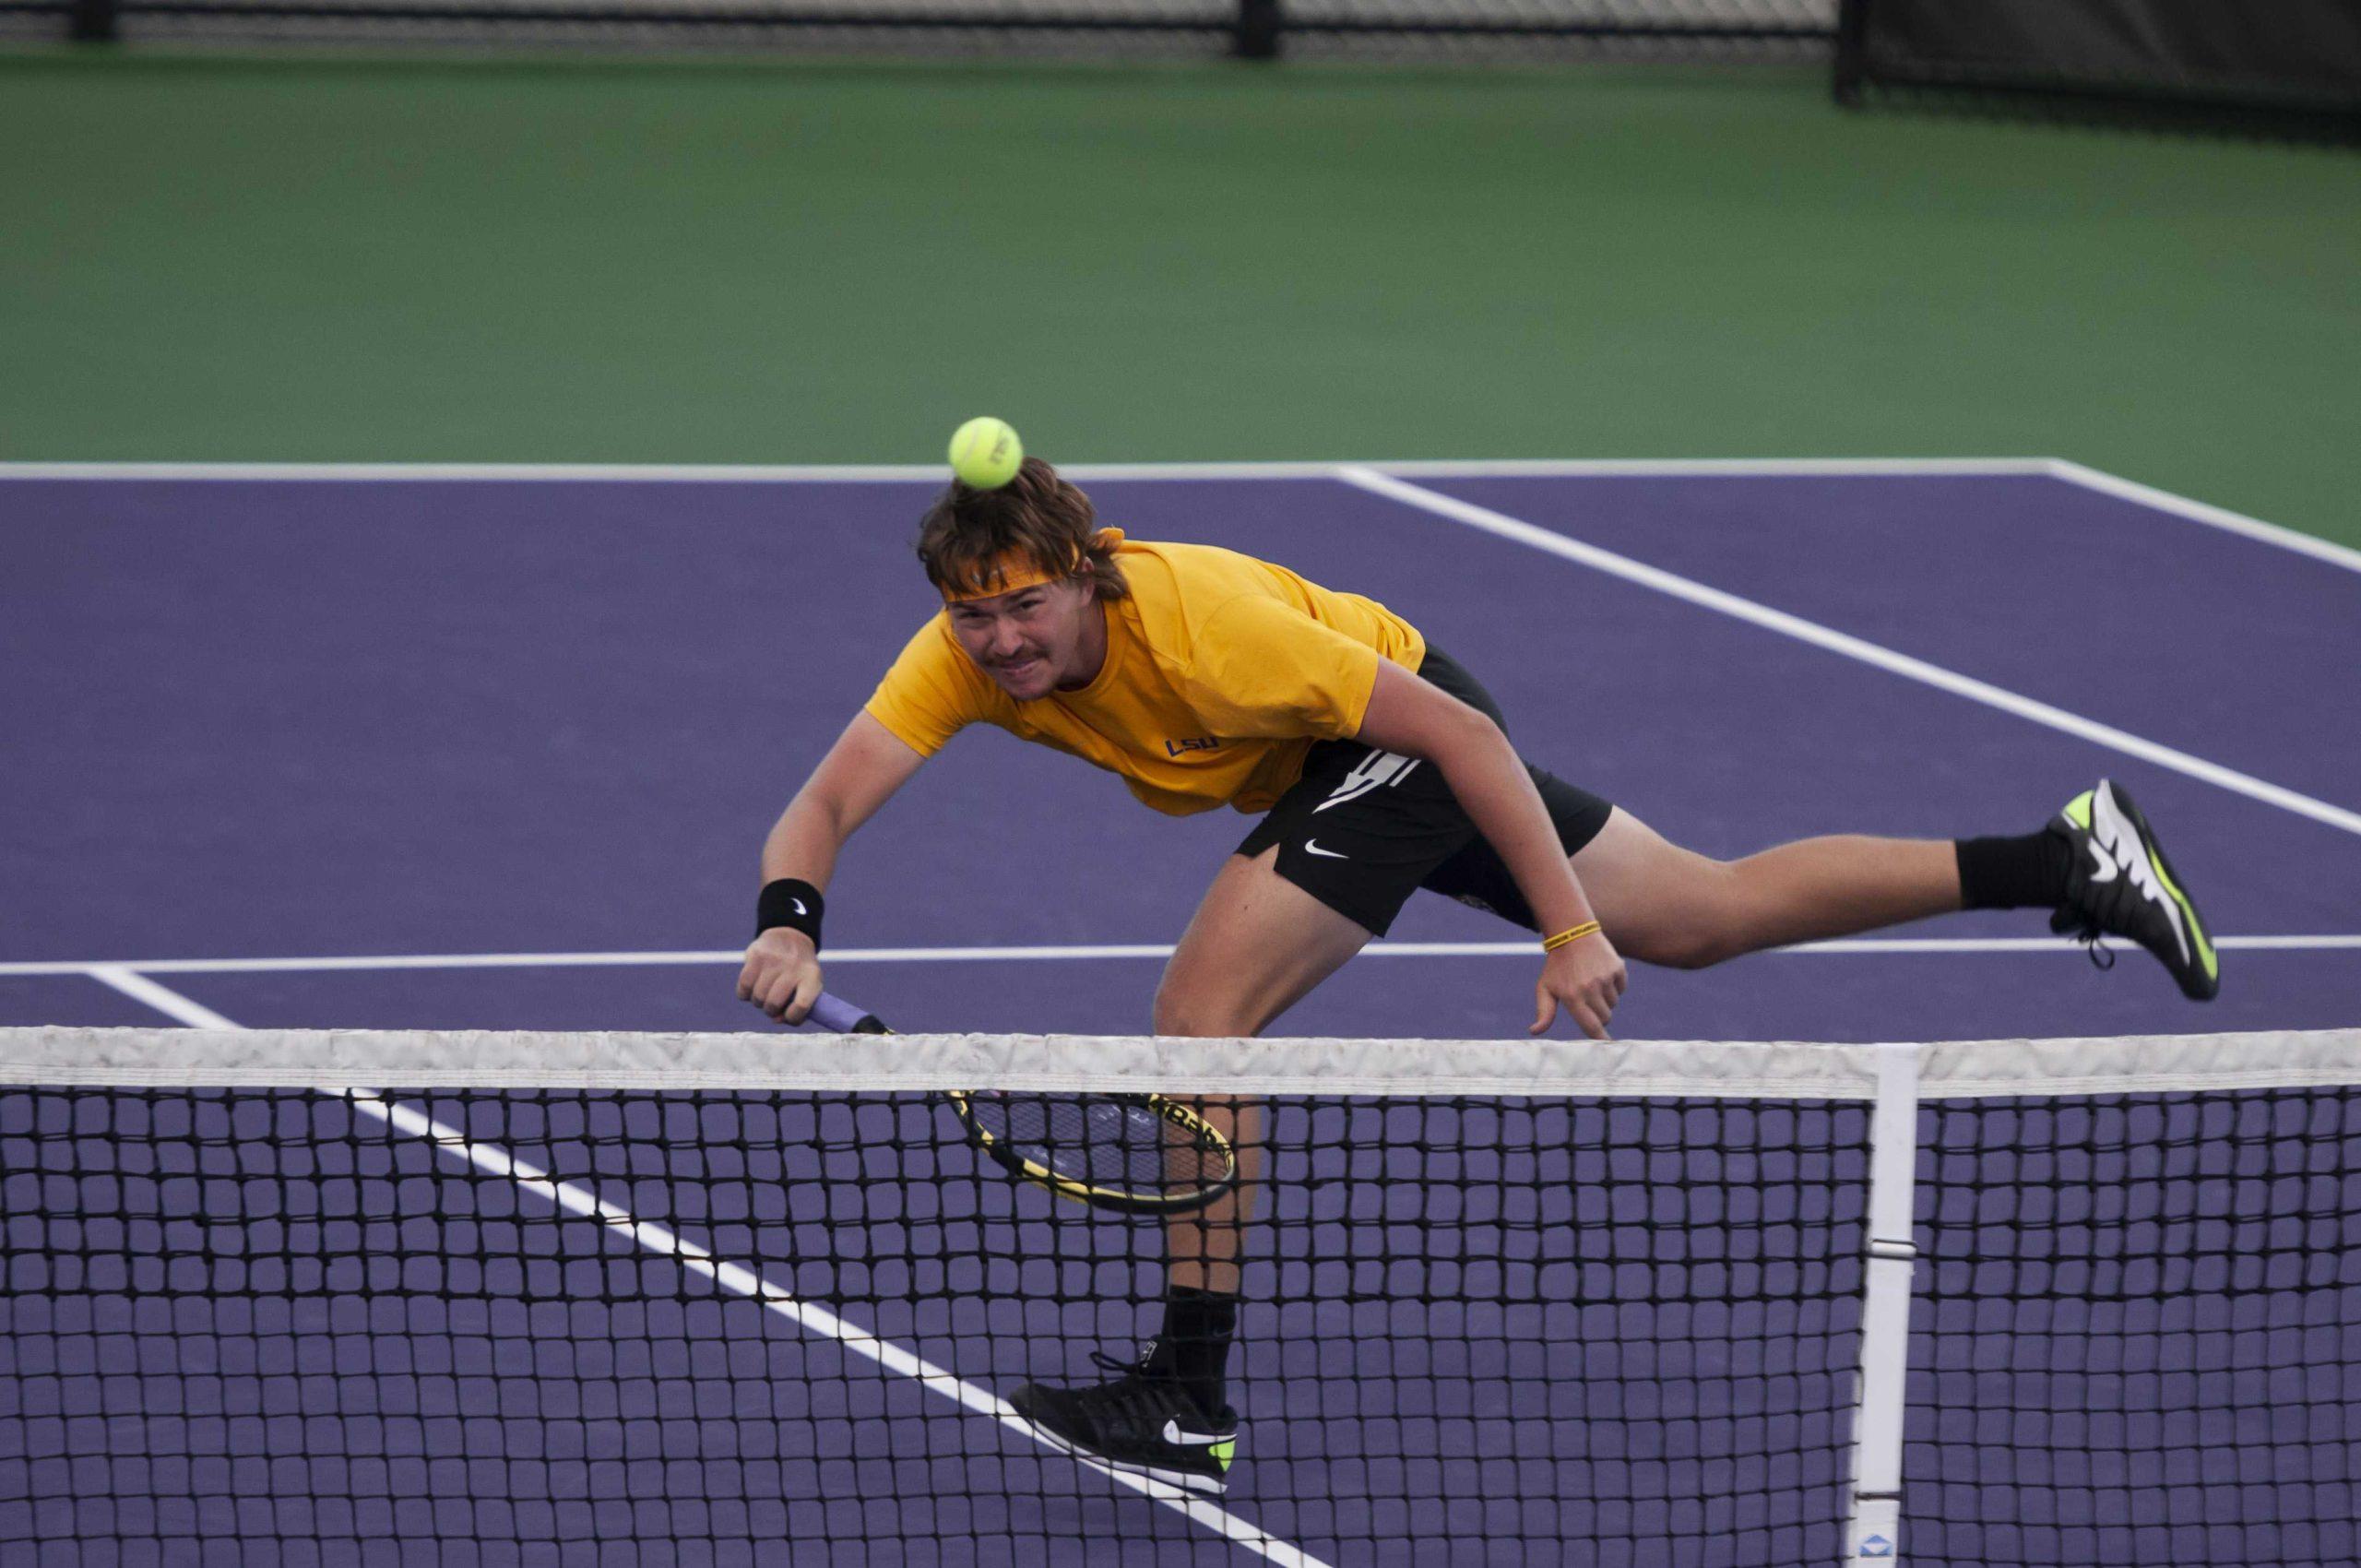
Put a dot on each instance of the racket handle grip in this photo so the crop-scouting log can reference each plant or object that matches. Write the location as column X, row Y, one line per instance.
column 836, row 1013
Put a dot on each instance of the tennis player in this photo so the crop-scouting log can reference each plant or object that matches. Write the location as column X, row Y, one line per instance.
column 1377, row 766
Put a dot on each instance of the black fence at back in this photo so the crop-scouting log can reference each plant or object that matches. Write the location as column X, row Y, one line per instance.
column 2273, row 67
column 1250, row 29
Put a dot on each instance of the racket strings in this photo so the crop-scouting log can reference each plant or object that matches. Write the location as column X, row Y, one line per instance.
column 1114, row 1142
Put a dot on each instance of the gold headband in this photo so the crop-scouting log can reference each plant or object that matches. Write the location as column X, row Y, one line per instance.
column 1013, row 571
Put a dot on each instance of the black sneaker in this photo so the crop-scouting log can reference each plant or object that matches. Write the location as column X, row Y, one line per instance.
column 2121, row 884
column 1142, row 1422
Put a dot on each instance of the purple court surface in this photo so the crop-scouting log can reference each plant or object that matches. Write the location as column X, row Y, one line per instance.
column 401, row 749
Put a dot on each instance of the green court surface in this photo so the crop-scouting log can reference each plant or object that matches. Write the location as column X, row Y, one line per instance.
column 637, row 260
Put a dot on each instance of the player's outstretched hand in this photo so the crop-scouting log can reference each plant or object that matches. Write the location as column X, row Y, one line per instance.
column 1586, row 977
column 782, row 974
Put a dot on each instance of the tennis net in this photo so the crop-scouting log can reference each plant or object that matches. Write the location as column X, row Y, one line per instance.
column 646, row 1298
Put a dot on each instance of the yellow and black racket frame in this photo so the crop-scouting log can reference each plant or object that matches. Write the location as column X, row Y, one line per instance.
column 834, row 1013
column 1117, row 1200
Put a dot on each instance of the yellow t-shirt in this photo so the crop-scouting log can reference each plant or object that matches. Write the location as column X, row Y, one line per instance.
column 1221, row 671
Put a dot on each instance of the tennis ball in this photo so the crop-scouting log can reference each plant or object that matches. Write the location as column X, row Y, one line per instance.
column 985, row 453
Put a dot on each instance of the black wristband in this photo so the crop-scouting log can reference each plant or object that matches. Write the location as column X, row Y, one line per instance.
column 788, row 902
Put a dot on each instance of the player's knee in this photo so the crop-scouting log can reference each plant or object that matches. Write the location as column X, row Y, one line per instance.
column 1694, row 947
column 1698, row 919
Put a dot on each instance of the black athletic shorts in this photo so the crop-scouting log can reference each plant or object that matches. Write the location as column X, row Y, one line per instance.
column 1362, row 828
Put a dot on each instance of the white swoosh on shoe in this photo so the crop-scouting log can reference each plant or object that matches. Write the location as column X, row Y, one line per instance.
column 1172, row 1433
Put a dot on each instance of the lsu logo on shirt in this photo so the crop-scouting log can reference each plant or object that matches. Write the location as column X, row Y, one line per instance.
column 1192, row 744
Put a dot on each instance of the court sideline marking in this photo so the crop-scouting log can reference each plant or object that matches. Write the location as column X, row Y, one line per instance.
column 1688, row 590
column 735, row 1278
column 113, row 970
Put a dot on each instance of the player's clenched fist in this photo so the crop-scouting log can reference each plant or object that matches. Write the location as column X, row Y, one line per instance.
column 782, row 974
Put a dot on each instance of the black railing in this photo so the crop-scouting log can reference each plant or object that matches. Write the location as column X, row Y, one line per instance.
column 1255, row 29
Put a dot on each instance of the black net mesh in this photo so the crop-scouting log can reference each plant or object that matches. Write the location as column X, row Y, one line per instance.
column 276, row 1325
column 273, row 1326
column 2137, row 1330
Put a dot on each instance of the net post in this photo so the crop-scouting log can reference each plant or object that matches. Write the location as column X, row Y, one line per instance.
column 1256, row 35
column 1852, row 50
column 92, row 21
column 1873, row 1531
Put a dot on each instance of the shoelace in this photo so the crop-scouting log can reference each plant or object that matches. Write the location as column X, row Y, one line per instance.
column 2094, row 945
column 1139, row 1391
column 1138, row 1363
column 1136, row 1386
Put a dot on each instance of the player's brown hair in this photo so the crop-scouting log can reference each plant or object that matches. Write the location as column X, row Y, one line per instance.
column 968, row 537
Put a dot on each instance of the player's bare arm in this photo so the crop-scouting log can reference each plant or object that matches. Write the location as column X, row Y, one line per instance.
column 860, row 774
column 1413, row 717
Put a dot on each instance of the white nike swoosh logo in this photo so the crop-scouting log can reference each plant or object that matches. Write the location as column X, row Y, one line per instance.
column 2122, row 841
column 2102, row 868
column 1172, row 1433
column 798, row 906
column 1311, row 846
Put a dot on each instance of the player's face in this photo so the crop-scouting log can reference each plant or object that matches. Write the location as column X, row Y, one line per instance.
column 1034, row 640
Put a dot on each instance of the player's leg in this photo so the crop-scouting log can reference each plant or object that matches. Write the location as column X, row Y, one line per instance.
column 1257, row 946
column 1662, row 904
column 1327, row 868
column 2097, row 866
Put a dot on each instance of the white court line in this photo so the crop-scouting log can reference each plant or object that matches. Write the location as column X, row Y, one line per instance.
column 170, row 1002
column 122, row 973
column 935, row 473
column 2062, row 469
column 1691, row 591
column 2201, row 512
column 734, row 1277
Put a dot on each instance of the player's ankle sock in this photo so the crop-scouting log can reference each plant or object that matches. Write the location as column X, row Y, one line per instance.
column 2024, row 872
column 1194, row 1345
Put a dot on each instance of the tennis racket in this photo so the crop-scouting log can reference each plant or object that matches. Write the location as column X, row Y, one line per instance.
column 1124, row 1153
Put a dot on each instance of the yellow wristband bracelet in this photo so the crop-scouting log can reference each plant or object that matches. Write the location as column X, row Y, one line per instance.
column 1571, row 933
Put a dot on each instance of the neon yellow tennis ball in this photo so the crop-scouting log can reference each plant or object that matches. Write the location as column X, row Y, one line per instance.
column 985, row 453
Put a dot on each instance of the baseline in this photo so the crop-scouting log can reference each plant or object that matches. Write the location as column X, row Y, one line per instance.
column 932, row 473
column 2062, row 468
